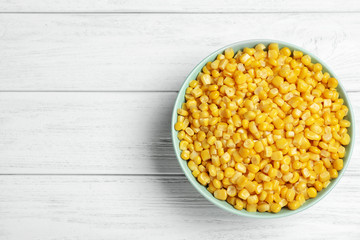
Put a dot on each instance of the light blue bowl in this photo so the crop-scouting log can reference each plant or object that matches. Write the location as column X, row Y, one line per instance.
column 223, row 204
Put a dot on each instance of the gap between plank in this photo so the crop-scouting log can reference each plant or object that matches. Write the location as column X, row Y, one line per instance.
column 182, row 12
column 88, row 91
column 177, row 175
column 96, row 174
column 106, row 91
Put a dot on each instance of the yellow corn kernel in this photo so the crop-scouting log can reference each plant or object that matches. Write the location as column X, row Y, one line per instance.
column 243, row 194
column 253, row 199
column 268, row 186
column 305, row 172
column 345, row 140
column 294, row 205
column 332, row 83
column 268, row 151
column 251, row 176
column 211, row 188
column 282, row 143
column 181, row 135
column 225, row 158
column 212, row 170
column 185, row 155
column 311, row 135
column 179, row 126
column 192, row 166
column 205, row 154
column 309, row 121
column 220, row 194
column 277, row 156
column 316, row 129
column 317, row 67
column 229, row 172
column 248, row 143
column 275, row 207
column 318, row 186
column 297, row 54
column 338, row 164
column 277, row 81
column 306, row 60
column 220, row 175
column 251, row 207
column 333, row 173
column 226, row 182
column 324, row 176
column 231, row 200
column 287, row 176
column 251, row 186
column 263, row 207
column 290, row 195
column 239, row 205
column 263, row 126
column 258, row 146
column 296, row 113
column 283, row 192
column 295, row 178
column 196, row 172
column 183, row 145
column 311, row 192
column 326, row 184
column 232, row 192
column 344, row 123
column 229, row 53
column 263, row 195
column 279, row 123
column 272, row 173
column 253, row 168
column 300, row 187
column 203, row 178
column 264, row 177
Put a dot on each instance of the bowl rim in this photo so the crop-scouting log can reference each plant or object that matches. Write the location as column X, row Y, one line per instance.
column 229, row 208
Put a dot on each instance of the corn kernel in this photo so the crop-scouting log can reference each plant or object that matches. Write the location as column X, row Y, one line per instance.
column 338, row 164
column 203, row 178
column 294, row 205
column 277, row 156
column 243, row 194
column 311, row 192
column 220, row 194
column 275, row 207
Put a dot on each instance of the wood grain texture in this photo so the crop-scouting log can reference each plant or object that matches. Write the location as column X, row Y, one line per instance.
column 155, row 52
column 179, row 6
column 121, row 207
column 94, row 133
column 86, row 133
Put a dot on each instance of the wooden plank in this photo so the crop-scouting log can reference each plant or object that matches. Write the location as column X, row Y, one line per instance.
column 94, row 133
column 179, row 6
column 86, row 133
column 123, row 207
column 154, row 52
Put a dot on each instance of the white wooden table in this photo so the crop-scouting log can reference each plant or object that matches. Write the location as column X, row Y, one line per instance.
column 87, row 88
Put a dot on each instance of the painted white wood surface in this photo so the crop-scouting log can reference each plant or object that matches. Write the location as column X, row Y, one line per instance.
column 225, row 6
column 156, row 207
column 94, row 133
column 86, row 93
column 152, row 52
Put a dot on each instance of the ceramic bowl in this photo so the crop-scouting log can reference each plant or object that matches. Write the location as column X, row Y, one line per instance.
column 223, row 204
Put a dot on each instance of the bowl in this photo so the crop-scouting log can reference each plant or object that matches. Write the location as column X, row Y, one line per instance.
column 223, row 204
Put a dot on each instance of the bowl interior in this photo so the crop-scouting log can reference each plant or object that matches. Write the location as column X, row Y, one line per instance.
column 223, row 204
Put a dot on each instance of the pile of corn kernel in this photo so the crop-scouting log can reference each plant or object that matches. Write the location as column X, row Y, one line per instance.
column 263, row 128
